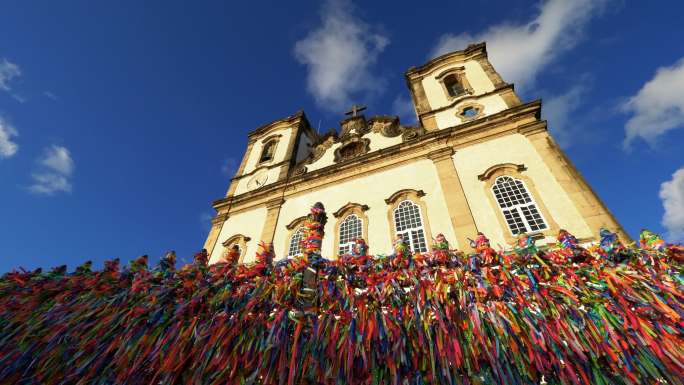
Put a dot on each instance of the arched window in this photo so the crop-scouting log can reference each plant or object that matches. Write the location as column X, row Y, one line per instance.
column 453, row 85
column 268, row 151
column 351, row 228
column 409, row 224
column 238, row 240
column 518, row 207
column 296, row 242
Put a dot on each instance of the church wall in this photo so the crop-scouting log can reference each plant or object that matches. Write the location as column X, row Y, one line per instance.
column 491, row 104
column 248, row 223
column 370, row 190
column 474, row 160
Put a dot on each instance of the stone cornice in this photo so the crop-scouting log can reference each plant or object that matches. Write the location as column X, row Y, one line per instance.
column 274, row 203
column 488, row 173
column 398, row 194
column 459, row 135
column 299, row 115
column 471, row 52
column 295, row 222
column 219, row 218
column 441, row 154
column 349, row 206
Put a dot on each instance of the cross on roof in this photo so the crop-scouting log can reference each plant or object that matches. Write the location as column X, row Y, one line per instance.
column 355, row 109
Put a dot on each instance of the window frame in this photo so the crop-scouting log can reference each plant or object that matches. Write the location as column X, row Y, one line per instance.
column 415, row 197
column 518, row 207
column 515, row 171
column 237, row 239
column 349, row 209
column 271, row 141
column 295, row 232
column 460, row 77
column 353, row 234
column 411, row 234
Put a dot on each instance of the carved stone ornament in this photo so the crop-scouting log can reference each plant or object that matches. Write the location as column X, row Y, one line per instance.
column 319, row 150
column 356, row 124
column 352, row 147
column 387, row 126
column 411, row 132
column 300, row 168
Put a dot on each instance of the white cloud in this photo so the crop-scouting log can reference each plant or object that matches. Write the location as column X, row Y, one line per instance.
column 557, row 110
column 658, row 107
column 7, row 147
column 8, row 71
column 55, row 175
column 339, row 55
column 48, row 183
column 672, row 195
column 520, row 51
column 50, row 95
column 58, row 159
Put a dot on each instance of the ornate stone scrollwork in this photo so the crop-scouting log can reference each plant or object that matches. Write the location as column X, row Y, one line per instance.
column 411, row 132
column 352, row 147
column 387, row 126
column 300, row 168
column 319, row 150
column 355, row 124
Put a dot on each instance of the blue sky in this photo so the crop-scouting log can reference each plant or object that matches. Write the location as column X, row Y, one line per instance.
column 120, row 122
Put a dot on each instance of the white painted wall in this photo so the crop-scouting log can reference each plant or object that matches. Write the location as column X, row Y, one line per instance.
column 249, row 223
column 370, row 190
column 474, row 160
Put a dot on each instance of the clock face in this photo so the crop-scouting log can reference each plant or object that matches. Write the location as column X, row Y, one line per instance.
column 258, row 180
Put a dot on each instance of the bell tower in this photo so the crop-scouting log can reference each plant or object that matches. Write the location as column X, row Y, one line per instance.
column 458, row 87
column 272, row 151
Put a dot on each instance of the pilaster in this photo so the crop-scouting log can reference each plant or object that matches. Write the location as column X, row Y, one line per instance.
column 457, row 204
column 216, row 226
column 272, row 212
column 241, row 170
column 590, row 206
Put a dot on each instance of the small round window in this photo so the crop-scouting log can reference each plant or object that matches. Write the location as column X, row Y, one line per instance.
column 469, row 112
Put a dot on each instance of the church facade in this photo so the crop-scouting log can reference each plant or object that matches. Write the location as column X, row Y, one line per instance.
column 478, row 159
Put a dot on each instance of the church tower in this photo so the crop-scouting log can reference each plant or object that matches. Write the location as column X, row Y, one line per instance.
column 479, row 159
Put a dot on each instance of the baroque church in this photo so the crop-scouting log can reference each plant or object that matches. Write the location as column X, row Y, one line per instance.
column 479, row 159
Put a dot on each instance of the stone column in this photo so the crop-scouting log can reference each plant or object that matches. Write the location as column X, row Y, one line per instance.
column 590, row 206
column 216, row 226
column 271, row 222
column 457, row 204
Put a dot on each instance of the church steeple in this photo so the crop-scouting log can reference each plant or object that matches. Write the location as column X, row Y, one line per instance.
column 458, row 87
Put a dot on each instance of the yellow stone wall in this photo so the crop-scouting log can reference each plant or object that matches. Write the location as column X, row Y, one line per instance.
column 474, row 160
column 249, row 223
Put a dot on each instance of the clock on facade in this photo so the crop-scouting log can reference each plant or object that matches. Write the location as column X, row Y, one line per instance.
column 258, row 180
